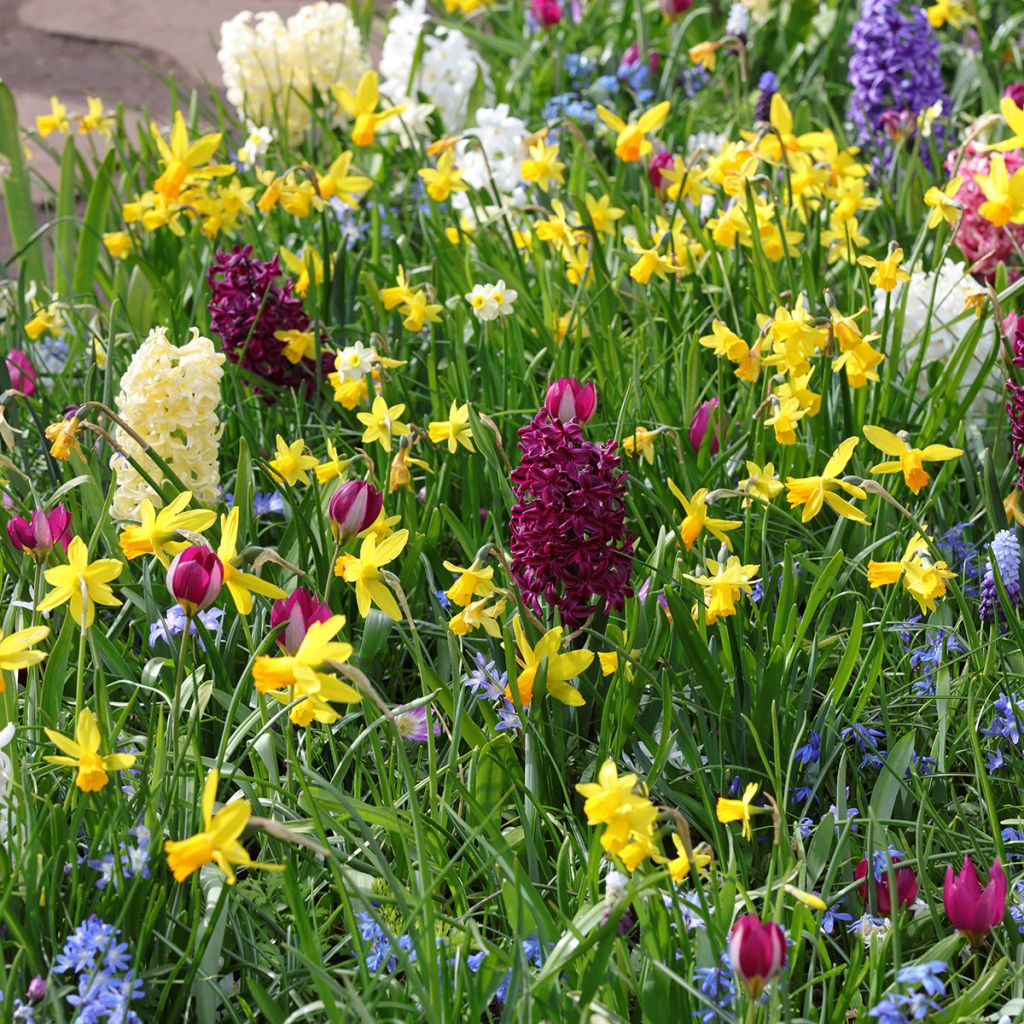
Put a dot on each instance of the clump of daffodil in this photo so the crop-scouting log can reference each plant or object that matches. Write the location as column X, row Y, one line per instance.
column 291, row 463
column 241, row 585
column 722, row 588
column 628, row 815
column 217, row 842
column 16, row 650
column 922, row 578
column 728, row 810
column 455, row 430
column 157, row 532
column 561, row 667
column 697, row 519
column 81, row 584
column 906, row 459
column 812, row 492
column 311, row 673
column 760, row 482
column 478, row 614
column 83, row 753
column 364, row 570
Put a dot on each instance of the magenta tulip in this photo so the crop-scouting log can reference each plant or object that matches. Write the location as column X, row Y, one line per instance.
column 296, row 613
column 757, row 951
column 43, row 533
column 972, row 910
column 906, row 886
column 21, row 371
column 660, row 163
column 567, row 399
column 1015, row 92
column 703, row 418
column 354, row 507
column 194, row 578
column 673, row 8
column 547, row 13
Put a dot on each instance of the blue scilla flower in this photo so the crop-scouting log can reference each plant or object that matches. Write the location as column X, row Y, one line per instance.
column 718, row 986
column 926, row 976
column 85, row 947
column 831, row 917
column 810, row 752
column 580, row 68
column 267, row 503
column 880, row 860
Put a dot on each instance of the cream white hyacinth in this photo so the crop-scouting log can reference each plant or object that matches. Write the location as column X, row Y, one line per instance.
column 169, row 396
column 270, row 64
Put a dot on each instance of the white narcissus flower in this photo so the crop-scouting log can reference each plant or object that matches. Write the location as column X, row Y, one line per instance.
column 354, row 361
column 484, row 306
column 257, row 142
column 503, row 297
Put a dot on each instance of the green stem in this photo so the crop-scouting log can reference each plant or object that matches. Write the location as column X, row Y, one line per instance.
column 80, row 674
column 179, row 676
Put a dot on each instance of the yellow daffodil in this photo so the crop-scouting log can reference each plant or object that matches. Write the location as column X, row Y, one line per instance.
column 561, row 668
column 951, row 11
column 82, row 753
column 1011, row 506
column 382, row 423
column 241, row 585
column 679, row 866
column 632, row 142
column 455, row 430
column 1014, row 118
column 813, row 491
column 476, row 581
column 696, row 518
column 82, row 583
column 478, row 614
column 650, row 263
column 705, row 53
column 543, row 166
column 55, row 121
column 339, row 183
column 218, row 841
column 628, row 816
column 887, row 273
column 445, row 179
column 641, row 442
column 739, row 810
column 291, row 464
column 761, row 482
column 944, row 204
column 333, row 468
column 784, row 419
column 96, row 119
column 117, row 243
column 364, row 571
column 298, row 345
column 922, row 578
column 15, row 650
column 724, row 342
column 722, row 588
column 907, row 459
column 309, row 269
column 602, row 214
column 1004, row 193
column 362, row 106
column 158, row 532
column 183, row 162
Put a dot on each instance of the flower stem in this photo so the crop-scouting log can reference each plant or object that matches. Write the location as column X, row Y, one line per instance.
column 179, row 676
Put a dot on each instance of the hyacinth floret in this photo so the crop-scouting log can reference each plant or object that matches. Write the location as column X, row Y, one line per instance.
column 895, row 75
column 247, row 306
column 571, row 549
column 1006, row 553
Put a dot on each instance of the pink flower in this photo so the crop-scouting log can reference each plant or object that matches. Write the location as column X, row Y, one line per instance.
column 702, row 419
column 906, row 886
column 757, row 952
column 354, row 507
column 1015, row 92
column 659, row 162
column 567, row 399
column 21, row 371
column 415, row 725
column 45, row 531
column 194, row 578
column 547, row 13
column 296, row 613
column 972, row 910
column 673, row 8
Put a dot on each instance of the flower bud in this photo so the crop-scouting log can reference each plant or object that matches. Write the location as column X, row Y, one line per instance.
column 673, row 8
column 757, row 952
column 547, row 13
column 43, row 533
column 702, row 419
column 36, row 989
column 194, row 578
column 906, row 885
column 567, row 399
column 296, row 613
column 21, row 371
column 354, row 507
column 972, row 910
column 660, row 162
column 1015, row 92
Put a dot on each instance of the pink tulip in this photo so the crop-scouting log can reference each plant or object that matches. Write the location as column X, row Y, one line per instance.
column 296, row 613
column 757, row 952
column 567, row 399
column 1015, row 92
column 702, row 419
column 194, row 578
column 21, row 371
column 547, row 13
column 354, row 507
column 906, row 886
column 45, row 531
column 660, row 162
column 972, row 910
column 673, row 8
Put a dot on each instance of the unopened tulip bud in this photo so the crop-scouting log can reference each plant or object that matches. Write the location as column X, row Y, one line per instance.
column 906, row 885
column 297, row 613
column 547, row 13
column 660, row 163
column 354, row 507
column 567, row 399
column 43, row 533
column 972, row 910
column 702, row 419
column 757, row 952
column 194, row 578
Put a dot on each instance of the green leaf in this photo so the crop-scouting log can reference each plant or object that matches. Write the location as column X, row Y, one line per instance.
column 17, row 198
column 96, row 209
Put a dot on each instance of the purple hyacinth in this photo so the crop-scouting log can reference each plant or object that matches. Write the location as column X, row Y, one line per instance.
column 247, row 306
column 895, row 75
column 1006, row 552
column 769, row 85
column 571, row 549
